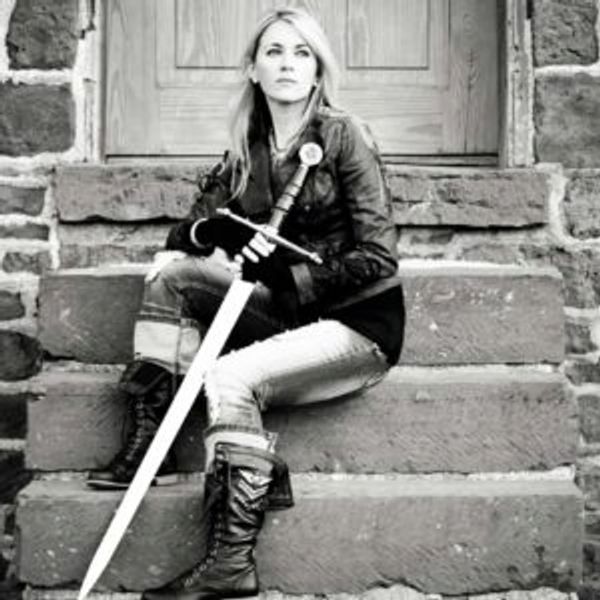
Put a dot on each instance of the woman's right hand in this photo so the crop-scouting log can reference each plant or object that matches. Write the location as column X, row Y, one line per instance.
column 161, row 260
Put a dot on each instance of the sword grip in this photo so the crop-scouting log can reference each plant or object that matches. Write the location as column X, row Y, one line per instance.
column 288, row 197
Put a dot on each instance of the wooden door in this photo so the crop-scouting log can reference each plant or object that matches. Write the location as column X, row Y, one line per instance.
column 423, row 73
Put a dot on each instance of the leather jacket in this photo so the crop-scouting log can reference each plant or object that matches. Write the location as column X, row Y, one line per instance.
column 343, row 212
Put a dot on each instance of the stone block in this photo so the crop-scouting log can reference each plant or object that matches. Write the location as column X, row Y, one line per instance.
column 32, row 262
column 94, row 244
column 414, row 421
column 13, row 408
column 588, row 480
column 578, row 336
column 461, row 313
column 35, row 118
column 27, row 231
column 11, row 306
column 567, row 119
column 592, row 523
column 20, row 355
column 457, row 314
column 27, row 201
column 589, row 409
column 579, row 267
column 74, row 306
column 591, row 557
column 491, row 251
column 43, row 35
column 580, row 206
column 343, row 535
column 564, row 33
column 589, row 590
column 473, row 198
column 125, row 193
column 13, row 474
column 581, row 371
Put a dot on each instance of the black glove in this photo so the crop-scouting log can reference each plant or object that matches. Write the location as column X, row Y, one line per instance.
column 271, row 270
column 201, row 237
column 274, row 272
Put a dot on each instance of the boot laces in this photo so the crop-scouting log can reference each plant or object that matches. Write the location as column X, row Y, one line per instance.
column 209, row 559
column 140, row 430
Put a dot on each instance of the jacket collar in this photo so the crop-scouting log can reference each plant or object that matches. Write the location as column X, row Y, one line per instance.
column 258, row 197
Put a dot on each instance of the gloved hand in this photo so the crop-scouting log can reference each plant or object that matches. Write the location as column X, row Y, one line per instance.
column 257, row 249
column 261, row 262
column 200, row 237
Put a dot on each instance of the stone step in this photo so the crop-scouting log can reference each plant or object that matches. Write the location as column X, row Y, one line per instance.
column 488, row 535
column 463, row 196
column 396, row 592
column 415, row 420
column 448, row 536
column 458, row 313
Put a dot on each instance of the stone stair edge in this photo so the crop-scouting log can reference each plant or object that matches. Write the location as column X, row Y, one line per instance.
column 202, row 163
column 56, row 373
column 406, row 268
column 333, row 485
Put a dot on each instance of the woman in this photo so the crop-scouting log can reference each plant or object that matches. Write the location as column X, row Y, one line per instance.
column 309, row 332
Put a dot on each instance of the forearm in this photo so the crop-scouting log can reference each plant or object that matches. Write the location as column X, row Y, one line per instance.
column 341, row 275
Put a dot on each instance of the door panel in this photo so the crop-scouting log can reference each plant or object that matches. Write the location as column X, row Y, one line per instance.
column 423, row 73
column 388, row 34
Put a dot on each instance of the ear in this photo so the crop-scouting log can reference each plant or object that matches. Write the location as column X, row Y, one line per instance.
column 252, row 74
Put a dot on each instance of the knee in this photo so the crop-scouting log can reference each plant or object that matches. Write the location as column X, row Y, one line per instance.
column 231, row 394
column 169, row 278
column 170, row 271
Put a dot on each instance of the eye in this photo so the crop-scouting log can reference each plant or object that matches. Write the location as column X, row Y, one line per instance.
column 273, row 51
column 304, row 53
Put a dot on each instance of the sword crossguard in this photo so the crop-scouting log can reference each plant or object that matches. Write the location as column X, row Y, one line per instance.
column 273, row 237
column 310, row 155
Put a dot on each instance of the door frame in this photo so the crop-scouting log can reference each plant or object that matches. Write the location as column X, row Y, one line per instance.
column 515, row 69
column 516, row 85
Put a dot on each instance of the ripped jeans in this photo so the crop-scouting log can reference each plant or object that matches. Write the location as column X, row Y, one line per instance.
column 265, row 364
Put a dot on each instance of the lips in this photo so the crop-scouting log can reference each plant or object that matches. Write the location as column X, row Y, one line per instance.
column 285, row 81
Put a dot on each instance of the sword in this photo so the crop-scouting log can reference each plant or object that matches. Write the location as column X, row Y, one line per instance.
column 224, row 321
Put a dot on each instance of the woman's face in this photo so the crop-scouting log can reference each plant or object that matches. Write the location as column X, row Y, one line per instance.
column 285, row 67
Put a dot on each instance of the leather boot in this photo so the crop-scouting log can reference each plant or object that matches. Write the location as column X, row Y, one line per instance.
column 149, row 390
column 236, row 496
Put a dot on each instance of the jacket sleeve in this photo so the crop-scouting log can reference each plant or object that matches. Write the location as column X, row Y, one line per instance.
column 213, row 192
column 373, row 255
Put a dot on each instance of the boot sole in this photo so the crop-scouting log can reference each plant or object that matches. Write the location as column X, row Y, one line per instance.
column 159, row 481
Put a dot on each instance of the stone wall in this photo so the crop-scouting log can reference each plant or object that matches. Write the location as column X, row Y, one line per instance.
column 548, row 214
column 42, row 57
column 567, row 121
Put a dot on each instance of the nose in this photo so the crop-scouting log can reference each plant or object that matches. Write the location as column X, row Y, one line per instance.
column 287, row 62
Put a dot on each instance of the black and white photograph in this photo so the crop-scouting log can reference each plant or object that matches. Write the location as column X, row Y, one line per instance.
column 300, row 299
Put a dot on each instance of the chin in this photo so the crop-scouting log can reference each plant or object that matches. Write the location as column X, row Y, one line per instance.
column 288, row 99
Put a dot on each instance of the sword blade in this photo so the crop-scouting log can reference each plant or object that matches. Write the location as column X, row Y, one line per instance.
column 214, row 340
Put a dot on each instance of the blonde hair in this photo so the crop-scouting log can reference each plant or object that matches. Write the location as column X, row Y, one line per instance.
column 250, row 106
